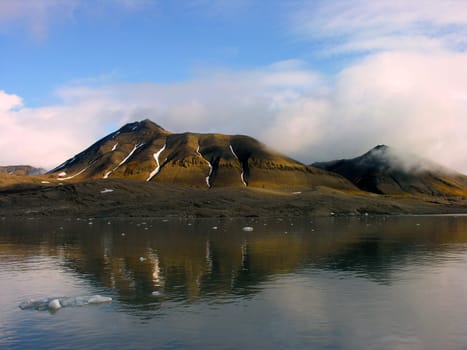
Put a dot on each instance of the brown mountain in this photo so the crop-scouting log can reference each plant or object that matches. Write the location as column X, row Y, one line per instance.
column 384, row 170
column 145, row 151
column 21, row 170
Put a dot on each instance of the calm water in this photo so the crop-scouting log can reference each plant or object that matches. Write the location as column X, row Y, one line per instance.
column 329, row 283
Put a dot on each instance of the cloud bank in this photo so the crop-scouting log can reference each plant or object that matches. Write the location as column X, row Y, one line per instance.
column 405, row 99
column 359, row 25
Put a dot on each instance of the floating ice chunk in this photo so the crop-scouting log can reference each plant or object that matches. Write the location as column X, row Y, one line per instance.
column 107, row 190
column 98, row 299
column 54, row 304
column 156, row 293
column 57, row 303
column 247, row 228
column 214, row 227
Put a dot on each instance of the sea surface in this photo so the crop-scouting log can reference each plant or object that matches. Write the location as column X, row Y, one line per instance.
column 278, row 283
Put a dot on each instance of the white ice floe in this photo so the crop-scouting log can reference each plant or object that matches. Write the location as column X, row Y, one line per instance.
column 208, row 178
column 247, row 228
column 56, row 303
column 241, row 175
column 107, row 190
column 158, row 168
column 114, row 147
column 138, row 145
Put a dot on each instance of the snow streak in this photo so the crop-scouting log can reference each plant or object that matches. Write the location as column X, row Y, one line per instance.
column 210, row 167
column 241, row 175
column 78, row 173
column 156, row 157
column 138, row 145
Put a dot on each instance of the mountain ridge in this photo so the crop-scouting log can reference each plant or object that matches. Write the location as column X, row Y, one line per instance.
column 146, row 151
column 385, row 170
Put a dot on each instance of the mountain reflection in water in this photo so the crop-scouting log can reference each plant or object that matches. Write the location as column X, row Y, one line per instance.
column 320, row 283
column 148, row 261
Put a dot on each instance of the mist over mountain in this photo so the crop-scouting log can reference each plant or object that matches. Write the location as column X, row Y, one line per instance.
column 386, row 170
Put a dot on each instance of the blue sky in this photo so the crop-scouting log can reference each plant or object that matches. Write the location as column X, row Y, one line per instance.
column 314, row 79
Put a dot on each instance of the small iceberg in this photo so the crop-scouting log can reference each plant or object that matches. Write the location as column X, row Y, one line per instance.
column 247, row 228
column 56, row 303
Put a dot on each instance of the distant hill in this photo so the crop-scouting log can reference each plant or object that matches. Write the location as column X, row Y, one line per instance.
column 147, row 152
column 384, row 170
column 21, row 170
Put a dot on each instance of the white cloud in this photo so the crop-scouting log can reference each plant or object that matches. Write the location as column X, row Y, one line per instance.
column 412, row 101
column 361, row 25
column 35, row 15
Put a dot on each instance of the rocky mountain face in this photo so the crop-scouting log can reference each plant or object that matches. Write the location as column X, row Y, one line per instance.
column 21, row 170
column 384, row 170
column 145, row 151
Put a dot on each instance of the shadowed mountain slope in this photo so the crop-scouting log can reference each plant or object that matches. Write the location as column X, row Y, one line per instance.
column 384, row 170
column 145, row 151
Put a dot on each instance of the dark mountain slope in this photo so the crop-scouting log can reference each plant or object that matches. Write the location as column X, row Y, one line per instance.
column 384, row 170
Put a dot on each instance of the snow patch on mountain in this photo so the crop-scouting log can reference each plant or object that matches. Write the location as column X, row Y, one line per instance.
column 61, row 178
column 241, row 175
column 208, row 178
column 138, row 145
column 156, row 157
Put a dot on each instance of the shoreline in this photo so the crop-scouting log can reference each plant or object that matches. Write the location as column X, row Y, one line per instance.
column 126, row 198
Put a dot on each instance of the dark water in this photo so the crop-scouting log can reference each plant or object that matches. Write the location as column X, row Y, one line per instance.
column 330, row 283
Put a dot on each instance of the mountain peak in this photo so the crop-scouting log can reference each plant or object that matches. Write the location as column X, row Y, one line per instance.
column 140, row 125
column 143, row 150
column 380, row 148
column 388, row 170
